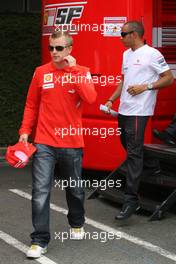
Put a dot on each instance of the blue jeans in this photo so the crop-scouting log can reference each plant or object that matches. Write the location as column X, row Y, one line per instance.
column 70, row 164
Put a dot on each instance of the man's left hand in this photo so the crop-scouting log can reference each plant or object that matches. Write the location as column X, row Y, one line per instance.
column 136, row 89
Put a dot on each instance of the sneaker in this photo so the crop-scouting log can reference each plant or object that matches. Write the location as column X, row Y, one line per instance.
column 127, row 210
column 77, row 233
column 35, row 251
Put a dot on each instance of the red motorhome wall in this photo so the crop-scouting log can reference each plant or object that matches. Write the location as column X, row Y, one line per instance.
column 103, row 55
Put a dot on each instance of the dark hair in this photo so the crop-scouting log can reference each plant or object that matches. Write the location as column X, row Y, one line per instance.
column 136, row 26
column 59, row 34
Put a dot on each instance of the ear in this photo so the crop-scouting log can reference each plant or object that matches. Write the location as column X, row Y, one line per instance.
column 135, row 34
column 70, row 49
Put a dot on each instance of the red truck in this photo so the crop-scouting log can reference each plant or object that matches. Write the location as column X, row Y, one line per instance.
column 95, row 26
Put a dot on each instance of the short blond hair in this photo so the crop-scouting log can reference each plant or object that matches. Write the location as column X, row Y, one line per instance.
column 59, row 34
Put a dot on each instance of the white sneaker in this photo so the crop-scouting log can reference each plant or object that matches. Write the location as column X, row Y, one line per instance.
column 35, row 251
column 77, row 233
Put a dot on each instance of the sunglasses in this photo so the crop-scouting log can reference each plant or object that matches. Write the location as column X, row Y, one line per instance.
column 124, row 34
column 57, row 48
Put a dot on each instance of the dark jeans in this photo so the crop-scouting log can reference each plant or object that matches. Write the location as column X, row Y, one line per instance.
column 132, row 139
column 70, row 163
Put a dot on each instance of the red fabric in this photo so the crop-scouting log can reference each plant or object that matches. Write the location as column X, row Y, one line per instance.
column 13, row 160
column 51, row 106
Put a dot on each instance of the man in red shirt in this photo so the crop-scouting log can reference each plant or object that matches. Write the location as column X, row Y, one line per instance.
column 54, row 108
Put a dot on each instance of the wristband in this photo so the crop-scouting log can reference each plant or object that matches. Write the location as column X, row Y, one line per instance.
column 150, row 86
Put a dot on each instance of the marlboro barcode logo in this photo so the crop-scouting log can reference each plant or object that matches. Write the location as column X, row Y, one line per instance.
column 113, row 25
column 57, row 15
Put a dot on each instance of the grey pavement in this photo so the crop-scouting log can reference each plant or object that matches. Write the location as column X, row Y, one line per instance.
column 15, row 220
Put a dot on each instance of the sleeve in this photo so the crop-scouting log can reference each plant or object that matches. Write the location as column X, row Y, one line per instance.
column 158, row 62
column 32, row 106
column 85, row 87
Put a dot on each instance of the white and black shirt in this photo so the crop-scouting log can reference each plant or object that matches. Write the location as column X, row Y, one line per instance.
column 142, row 66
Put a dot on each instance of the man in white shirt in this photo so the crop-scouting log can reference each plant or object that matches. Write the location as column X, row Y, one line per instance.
column 144, row 71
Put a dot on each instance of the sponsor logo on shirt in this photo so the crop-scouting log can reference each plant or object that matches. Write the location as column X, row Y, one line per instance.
column 48, row 85
column 162, row 61
column 48, row 81
column 125, row 68
column 48, row 77
column 72, row 91
column 137, row 62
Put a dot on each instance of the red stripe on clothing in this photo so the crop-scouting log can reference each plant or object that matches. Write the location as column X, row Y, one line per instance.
column 136, row 128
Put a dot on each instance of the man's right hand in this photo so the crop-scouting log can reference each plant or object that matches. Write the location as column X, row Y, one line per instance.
column 24, row 138
column 70, row 60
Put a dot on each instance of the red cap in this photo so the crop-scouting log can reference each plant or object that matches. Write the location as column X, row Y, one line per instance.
column 18, row 155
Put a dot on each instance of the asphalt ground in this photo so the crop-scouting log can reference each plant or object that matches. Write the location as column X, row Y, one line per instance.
column 135, row 241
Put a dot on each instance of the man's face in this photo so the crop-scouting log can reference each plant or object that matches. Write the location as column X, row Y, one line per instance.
column 58, row 56
column 127, row 39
